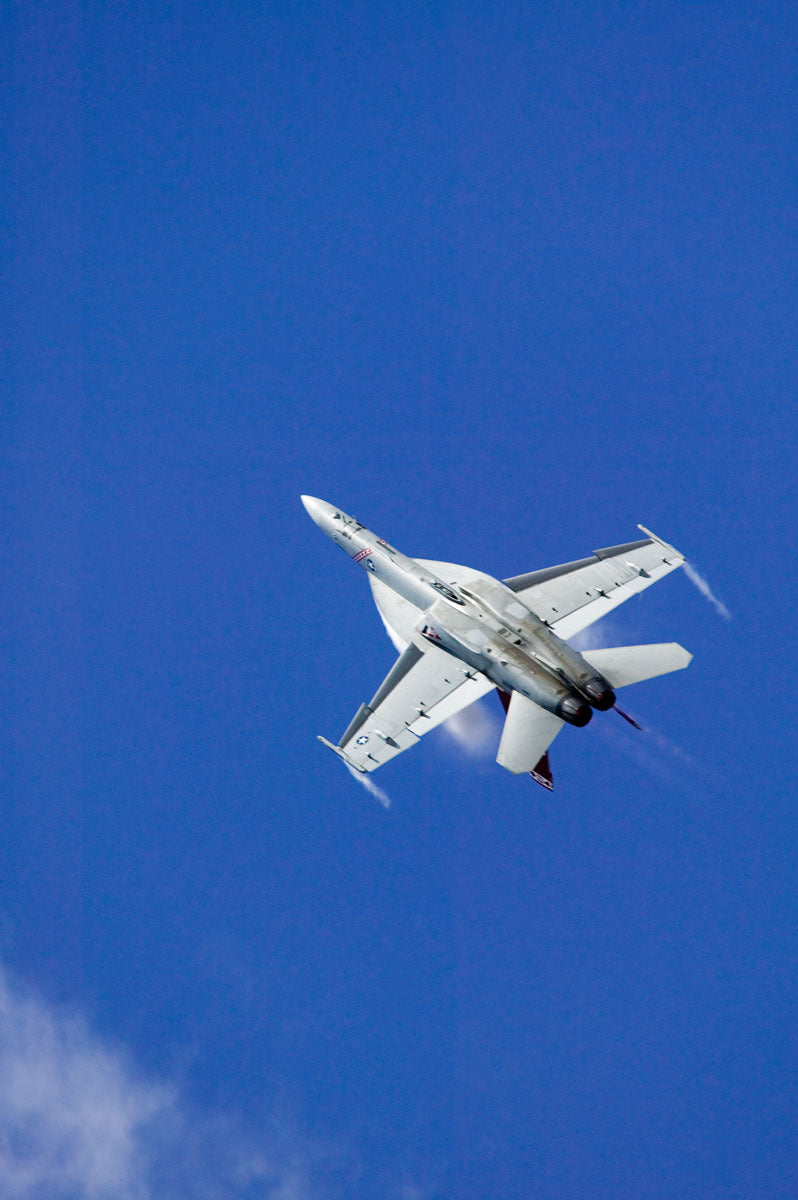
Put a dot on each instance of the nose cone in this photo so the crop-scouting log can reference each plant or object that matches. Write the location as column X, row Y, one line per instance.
column 320, row 511
column 311, row 505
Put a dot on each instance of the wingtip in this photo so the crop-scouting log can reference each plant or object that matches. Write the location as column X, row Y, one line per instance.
column 660, row 541
column 337, row 750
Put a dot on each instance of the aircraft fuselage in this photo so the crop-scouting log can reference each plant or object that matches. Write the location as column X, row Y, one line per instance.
column 483, row 625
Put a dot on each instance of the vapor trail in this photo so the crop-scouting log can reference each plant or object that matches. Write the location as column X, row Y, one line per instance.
column 370, row 786
column 658, row 754
column 705, row 590
column 475, row 730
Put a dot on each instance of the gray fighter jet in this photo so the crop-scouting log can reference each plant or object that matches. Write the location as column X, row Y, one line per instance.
column 461, row 633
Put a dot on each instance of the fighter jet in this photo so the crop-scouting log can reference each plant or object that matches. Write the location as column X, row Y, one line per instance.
column 460, row 634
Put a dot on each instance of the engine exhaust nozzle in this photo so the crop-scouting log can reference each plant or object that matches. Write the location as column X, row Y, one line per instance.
column 574, row 710
column 599, row 693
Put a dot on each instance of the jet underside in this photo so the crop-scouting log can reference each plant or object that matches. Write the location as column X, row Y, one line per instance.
column 461, row 633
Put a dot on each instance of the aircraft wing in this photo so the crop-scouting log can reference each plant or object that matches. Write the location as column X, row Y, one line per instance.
column 423, row 688
column 574, row 595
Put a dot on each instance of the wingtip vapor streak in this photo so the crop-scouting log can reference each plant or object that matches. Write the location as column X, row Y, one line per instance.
column 460, row 634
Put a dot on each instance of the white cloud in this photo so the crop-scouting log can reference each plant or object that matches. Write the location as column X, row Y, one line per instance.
column 72, row 1117
column 78, row 1122
column 656, row 753
column 475, row 729
column 371, row 787
column 706, row 591
column 604, row 634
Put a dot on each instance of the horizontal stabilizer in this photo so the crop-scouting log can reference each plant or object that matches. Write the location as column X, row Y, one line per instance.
column 528, row 732
column 622, row 665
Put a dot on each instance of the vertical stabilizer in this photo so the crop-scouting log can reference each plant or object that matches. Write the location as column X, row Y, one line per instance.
column 528, row 732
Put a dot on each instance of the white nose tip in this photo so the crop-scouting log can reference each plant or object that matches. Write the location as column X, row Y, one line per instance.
column 315, row 508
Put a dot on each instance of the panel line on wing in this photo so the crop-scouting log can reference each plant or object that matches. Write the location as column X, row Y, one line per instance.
column 422, row 689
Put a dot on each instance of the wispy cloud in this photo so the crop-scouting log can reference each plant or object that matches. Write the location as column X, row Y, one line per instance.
column 399, row 644
column 656, row 753
column 371, row 787
column 603, row 634
column 79, row 1122
column 475, row 730
column 73, row 1117
column 640, row 750
column 695, row 577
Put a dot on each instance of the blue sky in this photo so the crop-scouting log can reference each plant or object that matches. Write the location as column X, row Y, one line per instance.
column 503, row 280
